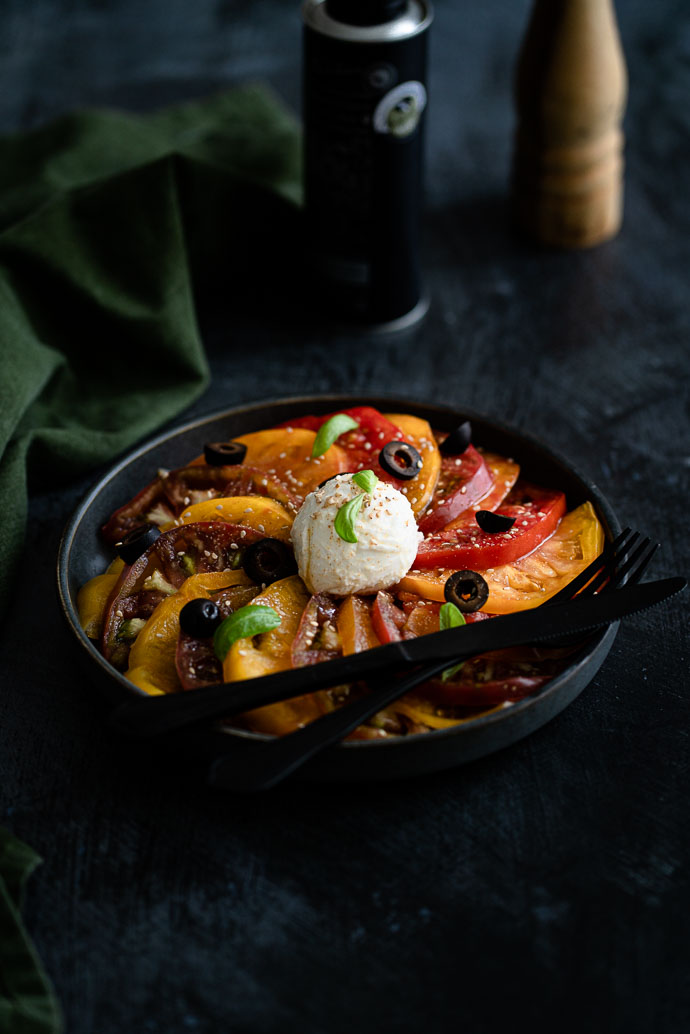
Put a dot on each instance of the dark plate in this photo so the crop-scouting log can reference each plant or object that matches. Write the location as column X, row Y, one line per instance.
column 82, row 555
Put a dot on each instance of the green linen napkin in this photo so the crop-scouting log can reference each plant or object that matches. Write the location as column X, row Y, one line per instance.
column 108, row 223
column 27, row 1001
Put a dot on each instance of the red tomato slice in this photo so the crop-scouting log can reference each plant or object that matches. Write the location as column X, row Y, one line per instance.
column 493, row 678
column 504, row 473
column 537, row 512
column 387, row 619
column 463, row 481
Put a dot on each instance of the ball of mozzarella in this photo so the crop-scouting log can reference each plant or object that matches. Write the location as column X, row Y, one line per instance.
column 387, row 539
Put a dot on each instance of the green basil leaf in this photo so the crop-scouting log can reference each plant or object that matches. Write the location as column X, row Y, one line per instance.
column 365, row 479
column 450, row 673
column 450, row 616
column 245, row 622
column 345, row 518
column 328, row 432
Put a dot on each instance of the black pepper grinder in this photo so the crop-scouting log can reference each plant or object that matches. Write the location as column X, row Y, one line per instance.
column 364, row 104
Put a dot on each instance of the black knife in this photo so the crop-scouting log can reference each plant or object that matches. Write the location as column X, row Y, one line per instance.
column 152, row 716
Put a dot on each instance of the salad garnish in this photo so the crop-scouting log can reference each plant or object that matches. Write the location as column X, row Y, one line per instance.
column 400, row 460
column 330, row 431
column 493, row 523
column 467, row 591
column 243, row 623
column 346, row 516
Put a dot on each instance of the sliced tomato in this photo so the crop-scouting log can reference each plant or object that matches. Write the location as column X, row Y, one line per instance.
column 317, row 637
column 268, row 516
column 271, row 651
column 419, row 489
column 536, row 511
column 162, row 569
column 387, row 618
column 152, row 657
column 504, row 473
column 494, row 678
column 286, row 454
column 463, row 481
column 533, row 579
column 364, row 443
column 195, row 659
column 165, row 497
column 355, row 626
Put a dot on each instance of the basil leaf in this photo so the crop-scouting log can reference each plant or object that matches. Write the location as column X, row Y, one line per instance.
column 450, row 673
column 245, row 622
column 345, row 518
column 328, row 432
column 365, row 479
column 450, row 616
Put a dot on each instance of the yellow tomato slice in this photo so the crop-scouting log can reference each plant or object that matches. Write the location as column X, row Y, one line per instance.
column 152, row 657
column 419, row 489
column 251, row 511
column 93, row 596
column 533, row 579
column 287, row 453
column 424, row 713
column 271, row 651
column 528, row 582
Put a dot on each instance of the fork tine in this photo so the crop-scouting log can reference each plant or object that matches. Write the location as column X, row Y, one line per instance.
column 609, row 570
column 607, row 560
column 641, row 557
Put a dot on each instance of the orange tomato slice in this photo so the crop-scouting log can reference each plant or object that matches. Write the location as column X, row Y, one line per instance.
column 251, row 511
column 271, row 651
column 287, row 453
column 419, row 489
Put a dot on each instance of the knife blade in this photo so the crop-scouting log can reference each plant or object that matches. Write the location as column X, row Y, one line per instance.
column 152, row 716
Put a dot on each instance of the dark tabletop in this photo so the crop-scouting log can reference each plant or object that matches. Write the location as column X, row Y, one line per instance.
column 545, row 887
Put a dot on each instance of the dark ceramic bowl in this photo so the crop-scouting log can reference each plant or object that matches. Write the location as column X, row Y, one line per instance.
column 82, row 555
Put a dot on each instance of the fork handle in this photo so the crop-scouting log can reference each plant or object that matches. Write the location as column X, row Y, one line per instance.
column 280, row 757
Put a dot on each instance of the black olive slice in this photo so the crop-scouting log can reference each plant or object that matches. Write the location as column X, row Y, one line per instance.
column 224, row 454
column 136, row 542
column 467, row 590
column 492, row 522
column 401, row 460
column 200, row 618
column 457, row 441
column 268, row 560
column 326, row 480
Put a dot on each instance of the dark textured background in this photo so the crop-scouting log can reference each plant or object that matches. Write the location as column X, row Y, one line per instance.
column 545, row 887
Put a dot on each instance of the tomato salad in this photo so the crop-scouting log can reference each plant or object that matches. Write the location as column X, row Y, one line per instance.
column 324, row 537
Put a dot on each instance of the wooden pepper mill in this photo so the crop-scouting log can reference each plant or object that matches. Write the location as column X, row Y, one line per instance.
column 570, row 92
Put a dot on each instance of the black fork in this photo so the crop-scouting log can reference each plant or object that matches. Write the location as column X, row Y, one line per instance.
column 625, row 558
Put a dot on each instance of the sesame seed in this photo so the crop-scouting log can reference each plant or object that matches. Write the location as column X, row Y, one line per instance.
column 233, row 545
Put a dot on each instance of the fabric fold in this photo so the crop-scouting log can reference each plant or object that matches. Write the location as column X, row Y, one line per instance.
column 109, row 224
